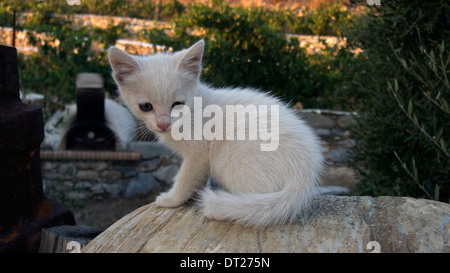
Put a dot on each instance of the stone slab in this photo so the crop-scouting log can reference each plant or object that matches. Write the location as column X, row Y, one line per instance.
column 331, row 224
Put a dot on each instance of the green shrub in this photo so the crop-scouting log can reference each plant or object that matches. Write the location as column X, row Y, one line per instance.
column 5, row 16
column 243, row 49
column 136, row 8
column 400, row 87
column 331, row 64
column 52, row 70
column 327, row 19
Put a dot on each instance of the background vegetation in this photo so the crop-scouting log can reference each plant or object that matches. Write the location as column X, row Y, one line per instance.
column 249, row 41
column 400, row 87
column 398, row 84
column 245, row 47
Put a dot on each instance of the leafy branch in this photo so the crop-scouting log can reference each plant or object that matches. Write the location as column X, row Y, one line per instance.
column 415, row 175
column 439, row 99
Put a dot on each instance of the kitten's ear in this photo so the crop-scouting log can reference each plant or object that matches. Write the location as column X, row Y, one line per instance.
column 122, row 63
column 191, row 58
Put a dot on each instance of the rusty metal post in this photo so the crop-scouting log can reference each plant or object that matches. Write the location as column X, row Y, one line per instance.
column 24, row 210
column 14, row 29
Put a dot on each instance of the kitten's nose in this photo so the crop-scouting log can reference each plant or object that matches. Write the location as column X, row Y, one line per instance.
column 163, row 126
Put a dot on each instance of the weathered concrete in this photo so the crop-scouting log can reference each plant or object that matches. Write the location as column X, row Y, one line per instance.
column 331, row 224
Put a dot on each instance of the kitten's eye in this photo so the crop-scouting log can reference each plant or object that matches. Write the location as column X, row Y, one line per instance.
column 145, row 106
column 177, row 103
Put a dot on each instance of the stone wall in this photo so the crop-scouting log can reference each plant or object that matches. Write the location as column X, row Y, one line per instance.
column 82, row 180
column 313, row 44
column 22, row 43
column 132, row 25
column 158, row 165
column 337, row 143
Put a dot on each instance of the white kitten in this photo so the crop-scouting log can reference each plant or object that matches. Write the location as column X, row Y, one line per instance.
column 259, row 187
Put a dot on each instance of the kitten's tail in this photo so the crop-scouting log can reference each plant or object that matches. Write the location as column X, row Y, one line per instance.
column 256, row 209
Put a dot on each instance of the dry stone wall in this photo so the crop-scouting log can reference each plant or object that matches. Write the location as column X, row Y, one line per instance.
column 313, row 44
column 158, row 165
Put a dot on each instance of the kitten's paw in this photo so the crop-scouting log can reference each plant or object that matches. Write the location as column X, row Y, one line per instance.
column 167, row 200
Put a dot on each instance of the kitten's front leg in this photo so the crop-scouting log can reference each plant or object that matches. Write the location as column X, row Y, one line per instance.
column 192, row 176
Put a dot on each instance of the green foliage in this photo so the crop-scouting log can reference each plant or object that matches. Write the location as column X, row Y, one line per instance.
column 5, row 16
column 429, row 114
column 147, row 9
column 244, row 49
column 66, row 52
column 54, row 67
column 331, row 65
column 400, row 87
column 327, row 19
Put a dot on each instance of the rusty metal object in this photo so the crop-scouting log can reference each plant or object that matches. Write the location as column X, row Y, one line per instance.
column 24, row 209
column 90, row 155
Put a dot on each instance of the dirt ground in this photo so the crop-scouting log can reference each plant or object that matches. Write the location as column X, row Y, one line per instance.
column 103, row 213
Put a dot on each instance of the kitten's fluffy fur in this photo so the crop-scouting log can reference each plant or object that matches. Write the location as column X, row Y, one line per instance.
column 259, row 187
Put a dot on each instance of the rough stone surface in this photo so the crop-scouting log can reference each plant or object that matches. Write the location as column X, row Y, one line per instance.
column 111, row 175
column 346, row 121
column 166, row 173
column 318, row 121
column 334, row 175
column 144, row 183
column 331, row 224
column 149, row 165
column 87, row 175
column 338, row 155
column 113, row 190
column 67, row 169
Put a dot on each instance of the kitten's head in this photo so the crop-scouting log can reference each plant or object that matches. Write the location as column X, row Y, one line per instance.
column 152, row 86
